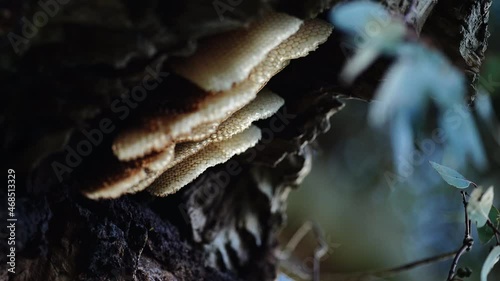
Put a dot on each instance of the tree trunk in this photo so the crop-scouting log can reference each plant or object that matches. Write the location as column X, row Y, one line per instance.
column 59, row 78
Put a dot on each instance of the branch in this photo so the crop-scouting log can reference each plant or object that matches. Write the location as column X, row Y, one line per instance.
column 319, row 252
column 466, row 246
column 456, row 255
column 409, row 266
column 418, row 13
column 497, row 232
column 467, row 243
column 490, row 224
column 385, row 273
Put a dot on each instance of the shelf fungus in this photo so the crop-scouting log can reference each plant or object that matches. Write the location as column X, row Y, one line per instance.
column 210, row 120
column 233, row 136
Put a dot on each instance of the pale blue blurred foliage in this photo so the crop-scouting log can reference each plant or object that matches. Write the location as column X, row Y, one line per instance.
column 353, row 18
column 484, row 107
column 382, row 218
column 283, row 277
column 402, row 92
column 491, row 260
column 372, row 32
column 463, row 140
column 418, row 76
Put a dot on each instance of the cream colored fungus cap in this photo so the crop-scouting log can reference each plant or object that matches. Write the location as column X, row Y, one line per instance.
column 265, row 105
column 228, row 58
column 136, row 175
column 129, row 174
column 215, row 153
column 215, row 108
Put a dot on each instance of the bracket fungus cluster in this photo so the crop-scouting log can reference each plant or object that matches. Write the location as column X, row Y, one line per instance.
column 211, row 119
column 182, row 86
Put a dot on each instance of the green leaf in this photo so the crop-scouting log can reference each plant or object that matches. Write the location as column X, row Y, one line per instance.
column 451, row 176
column 479, row 205
column 490, row 261
column 485, row 233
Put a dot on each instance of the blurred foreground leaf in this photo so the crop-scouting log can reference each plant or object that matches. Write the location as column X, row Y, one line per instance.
column 479, row 205
column 283, row 277
column 490, row 261
column 485, row 233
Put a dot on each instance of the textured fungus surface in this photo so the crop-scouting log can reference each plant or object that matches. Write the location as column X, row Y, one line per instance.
column 130, row 175
column 167, row 128
column 160, row 130
column 224, row 60
column 265, row 105
column 214, row 153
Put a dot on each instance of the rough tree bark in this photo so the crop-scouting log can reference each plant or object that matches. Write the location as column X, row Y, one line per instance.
column 64, row 78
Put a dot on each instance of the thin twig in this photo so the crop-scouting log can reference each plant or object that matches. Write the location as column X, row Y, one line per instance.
column 495, row 230
column 386, row 273
column 467, row 243
column 295, row 240
column 319, row 252
column 418, row 13
column 467, row 221
column 456, row 255
column 454, row 264
column 409, row 266
column 492, row 226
